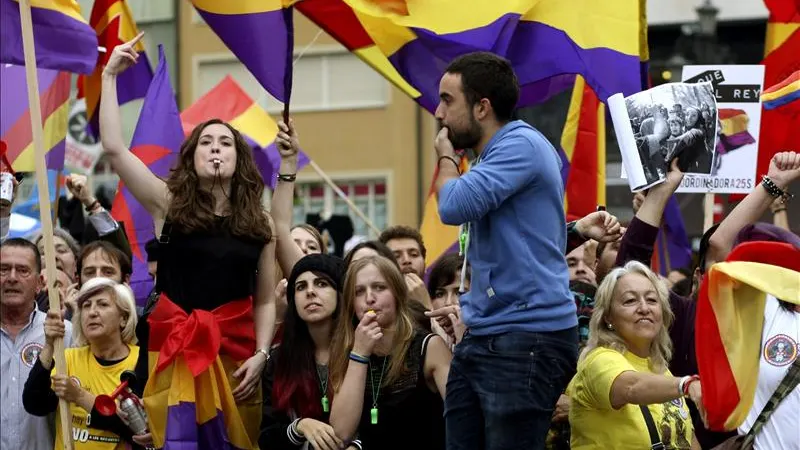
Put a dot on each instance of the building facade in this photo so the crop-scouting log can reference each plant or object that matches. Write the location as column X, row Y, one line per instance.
column 375, row 142
column 369, row 137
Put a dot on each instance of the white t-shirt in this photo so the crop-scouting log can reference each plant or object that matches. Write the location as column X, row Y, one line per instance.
column 780, row 345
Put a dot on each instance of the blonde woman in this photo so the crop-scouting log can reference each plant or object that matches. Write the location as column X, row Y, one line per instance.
column 622, row 381
column 388, row 377
column 105, row 336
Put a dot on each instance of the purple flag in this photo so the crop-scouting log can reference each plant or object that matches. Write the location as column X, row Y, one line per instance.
column 63, row 39
column 260, row 34
column 156, row 141
column 673, row 250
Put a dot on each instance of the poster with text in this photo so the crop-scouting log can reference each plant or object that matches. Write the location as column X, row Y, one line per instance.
column 82, row 149
column 737, row 90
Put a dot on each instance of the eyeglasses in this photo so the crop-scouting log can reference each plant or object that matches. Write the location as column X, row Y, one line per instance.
column 22, row 271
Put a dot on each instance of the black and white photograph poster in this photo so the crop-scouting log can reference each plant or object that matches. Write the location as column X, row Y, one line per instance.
column 737, row 90
column 667, row 122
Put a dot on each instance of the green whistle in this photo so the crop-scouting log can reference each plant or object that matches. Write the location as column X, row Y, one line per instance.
column 374, row 413
column 462, row 242
column 325, row 406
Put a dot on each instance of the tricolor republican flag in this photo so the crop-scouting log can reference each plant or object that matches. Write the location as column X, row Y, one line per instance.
column 730, row 322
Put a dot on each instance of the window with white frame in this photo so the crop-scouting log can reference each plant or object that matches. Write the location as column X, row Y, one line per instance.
column 368, row 194
column 322, row 80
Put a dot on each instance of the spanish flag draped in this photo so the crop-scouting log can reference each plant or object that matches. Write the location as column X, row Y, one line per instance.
column 729, row 324
column 192, row 358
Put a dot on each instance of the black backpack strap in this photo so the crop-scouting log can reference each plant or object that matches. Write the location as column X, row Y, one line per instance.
column 163, row 238
column 655, row 440
column 788, row 383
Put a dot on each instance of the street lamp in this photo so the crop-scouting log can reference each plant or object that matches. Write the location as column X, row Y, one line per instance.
column 707, row 19
column 697, row 44
column 706, row 50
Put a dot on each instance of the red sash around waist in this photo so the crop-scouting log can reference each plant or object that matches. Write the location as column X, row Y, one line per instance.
column 202, row 335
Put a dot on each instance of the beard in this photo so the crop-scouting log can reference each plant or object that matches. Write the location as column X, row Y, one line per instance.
column 410, row 269
column 467, row 138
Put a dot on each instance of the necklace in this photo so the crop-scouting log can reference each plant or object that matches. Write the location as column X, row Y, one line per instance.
column 323, row 388
column 376, row 391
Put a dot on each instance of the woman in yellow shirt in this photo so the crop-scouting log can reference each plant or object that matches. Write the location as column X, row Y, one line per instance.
column 105, row 324
column 624, row 365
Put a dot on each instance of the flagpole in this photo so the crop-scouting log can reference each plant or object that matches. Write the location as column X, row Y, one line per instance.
column 708, row 211
column 58, row 195
column 344, row 197
column 44, row 202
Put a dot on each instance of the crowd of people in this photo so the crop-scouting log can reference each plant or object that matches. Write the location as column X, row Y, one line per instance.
column 539, row 334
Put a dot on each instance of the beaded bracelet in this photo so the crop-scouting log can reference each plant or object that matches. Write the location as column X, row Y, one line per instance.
column 773, row 189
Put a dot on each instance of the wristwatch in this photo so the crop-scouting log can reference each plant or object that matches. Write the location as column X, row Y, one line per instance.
column 264, row 351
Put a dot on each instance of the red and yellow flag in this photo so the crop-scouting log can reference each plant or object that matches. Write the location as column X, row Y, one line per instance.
column 583, row 143
column 439, row 238
column 729, row 324
column 113, row 22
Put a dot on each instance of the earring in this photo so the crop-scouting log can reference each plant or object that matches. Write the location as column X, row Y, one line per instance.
column 610, row 327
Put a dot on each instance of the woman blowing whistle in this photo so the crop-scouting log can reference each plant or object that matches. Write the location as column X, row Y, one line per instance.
column 209, row 333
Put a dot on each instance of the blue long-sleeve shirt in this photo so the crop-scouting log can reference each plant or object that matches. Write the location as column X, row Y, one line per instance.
column 513, row 200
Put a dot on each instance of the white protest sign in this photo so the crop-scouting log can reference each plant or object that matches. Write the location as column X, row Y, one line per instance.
column 82, row 149
column 737, row 90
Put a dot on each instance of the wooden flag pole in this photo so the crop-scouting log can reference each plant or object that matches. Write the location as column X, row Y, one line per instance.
column 708, row 211
column 44, row 201
column 59, row 182
column 344, row 197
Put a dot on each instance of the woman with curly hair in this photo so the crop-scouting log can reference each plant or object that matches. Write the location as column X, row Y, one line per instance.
column 208, row 335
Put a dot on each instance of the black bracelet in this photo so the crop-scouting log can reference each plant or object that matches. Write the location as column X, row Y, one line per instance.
column 94, row 205
column 572, row 227
column 773, row 189
column 288, row 177
column 451, row 159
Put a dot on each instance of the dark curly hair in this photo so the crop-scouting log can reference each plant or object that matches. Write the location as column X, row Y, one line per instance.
column 192, row 208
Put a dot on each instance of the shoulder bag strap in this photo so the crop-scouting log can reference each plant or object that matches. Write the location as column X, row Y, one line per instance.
column 655, row 440
column 166, row 230
column 789, row 382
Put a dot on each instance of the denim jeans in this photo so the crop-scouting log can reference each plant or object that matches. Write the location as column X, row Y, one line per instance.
column 502, row 389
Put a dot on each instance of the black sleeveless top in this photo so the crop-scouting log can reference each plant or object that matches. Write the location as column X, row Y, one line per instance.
column 410, row 415
column 199, row 270
column 207, row 269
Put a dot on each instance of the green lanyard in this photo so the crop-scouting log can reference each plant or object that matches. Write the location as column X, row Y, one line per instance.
column 463, row 231
column 323, row 388
column 463, row 239
column 376, row 391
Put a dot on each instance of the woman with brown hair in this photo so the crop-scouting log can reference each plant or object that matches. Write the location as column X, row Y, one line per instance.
column 388, row 376
column 209, row 333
